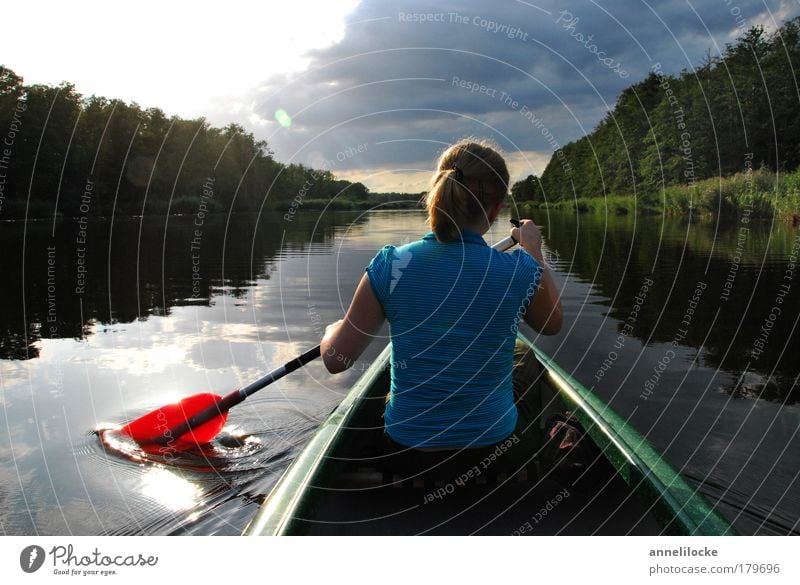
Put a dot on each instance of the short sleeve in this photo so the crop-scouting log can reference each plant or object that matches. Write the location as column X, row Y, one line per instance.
column 379, row 272
column 529, row 273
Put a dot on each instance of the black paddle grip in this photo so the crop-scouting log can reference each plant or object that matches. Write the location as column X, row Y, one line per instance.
column 302, row 360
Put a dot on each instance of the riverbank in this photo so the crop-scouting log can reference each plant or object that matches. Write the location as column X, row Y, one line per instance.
column 759, row 193
column 18, row 210
column 340, row 204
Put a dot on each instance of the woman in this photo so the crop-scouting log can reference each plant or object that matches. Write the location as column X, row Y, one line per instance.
column 453, row 306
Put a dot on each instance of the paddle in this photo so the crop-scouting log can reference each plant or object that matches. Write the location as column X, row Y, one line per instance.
column 199, row 418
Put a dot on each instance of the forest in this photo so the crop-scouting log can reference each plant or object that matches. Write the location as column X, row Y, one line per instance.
column 718, row 137
column 65, row 154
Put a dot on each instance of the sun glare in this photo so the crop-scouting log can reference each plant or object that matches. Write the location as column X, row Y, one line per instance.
column 170, row 490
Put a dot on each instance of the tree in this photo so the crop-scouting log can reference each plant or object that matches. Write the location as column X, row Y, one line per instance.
column 528, row 189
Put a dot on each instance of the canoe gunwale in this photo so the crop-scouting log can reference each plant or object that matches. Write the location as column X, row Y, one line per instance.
column 284, row 498
column 677, row 506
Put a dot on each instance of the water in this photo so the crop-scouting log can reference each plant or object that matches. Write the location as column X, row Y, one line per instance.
column 104, row 321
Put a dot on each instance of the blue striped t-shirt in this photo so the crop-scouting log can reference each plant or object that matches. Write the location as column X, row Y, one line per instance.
column 453, row 310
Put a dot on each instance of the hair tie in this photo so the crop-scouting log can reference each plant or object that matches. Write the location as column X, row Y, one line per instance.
column 459, row 173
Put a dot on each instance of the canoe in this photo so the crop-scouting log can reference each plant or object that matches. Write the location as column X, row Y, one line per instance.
column 336, row 485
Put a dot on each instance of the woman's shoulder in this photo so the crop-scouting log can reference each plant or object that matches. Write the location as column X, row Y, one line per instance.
column 394, row 250
column 391, row 253
column 517, row 258
column 521, row 266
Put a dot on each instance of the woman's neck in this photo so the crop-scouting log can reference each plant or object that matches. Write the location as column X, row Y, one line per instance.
column 479, row 228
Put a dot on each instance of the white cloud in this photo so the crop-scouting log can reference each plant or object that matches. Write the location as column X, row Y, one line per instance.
column 387, row 179
column 174, row 55
column 524, row 163
column 418, row 179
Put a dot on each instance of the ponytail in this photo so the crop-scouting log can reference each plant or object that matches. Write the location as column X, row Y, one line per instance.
column 471, row 177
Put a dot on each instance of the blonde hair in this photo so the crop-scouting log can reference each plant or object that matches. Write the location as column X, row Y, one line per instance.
column 471, row 177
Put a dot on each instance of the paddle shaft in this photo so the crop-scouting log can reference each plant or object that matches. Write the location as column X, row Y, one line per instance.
column 227, row 402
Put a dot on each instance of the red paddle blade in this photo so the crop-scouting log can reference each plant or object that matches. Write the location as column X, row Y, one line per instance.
column 156, row 425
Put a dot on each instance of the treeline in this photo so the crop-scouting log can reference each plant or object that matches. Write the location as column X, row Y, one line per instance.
column 736, row 113
column 378, row 201
column 61, row 152
column 396, row 200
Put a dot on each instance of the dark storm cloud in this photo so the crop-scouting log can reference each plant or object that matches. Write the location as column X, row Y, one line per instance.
column 411, row 75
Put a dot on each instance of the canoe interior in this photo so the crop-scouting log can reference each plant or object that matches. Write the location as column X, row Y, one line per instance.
column 339, row 485
column 353, row 496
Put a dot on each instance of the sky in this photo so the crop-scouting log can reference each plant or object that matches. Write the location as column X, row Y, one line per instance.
column 373, row 90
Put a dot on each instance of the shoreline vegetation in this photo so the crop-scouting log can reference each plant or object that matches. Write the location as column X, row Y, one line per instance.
column 759, row 195
column 719, row 140
column 66, row 155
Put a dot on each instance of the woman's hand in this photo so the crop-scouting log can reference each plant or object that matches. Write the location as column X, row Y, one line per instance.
column 529, row 236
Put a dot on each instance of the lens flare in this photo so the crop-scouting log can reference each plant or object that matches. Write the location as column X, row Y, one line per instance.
column 283, row 118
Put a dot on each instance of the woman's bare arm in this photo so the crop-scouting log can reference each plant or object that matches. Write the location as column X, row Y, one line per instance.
column 345, row 340
column 545, row 314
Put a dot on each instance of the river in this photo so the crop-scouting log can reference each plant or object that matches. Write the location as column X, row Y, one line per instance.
column 687, row 329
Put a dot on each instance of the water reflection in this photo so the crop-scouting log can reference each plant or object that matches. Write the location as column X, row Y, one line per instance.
column 712, row 291
column 66, row 280
column 146, row 331
column 135, row 269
